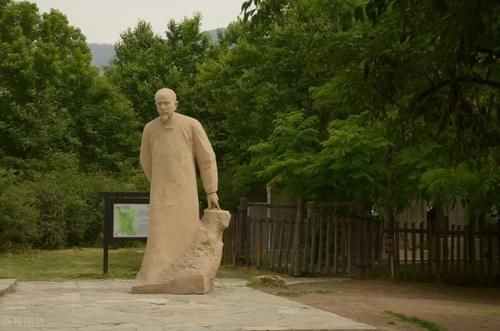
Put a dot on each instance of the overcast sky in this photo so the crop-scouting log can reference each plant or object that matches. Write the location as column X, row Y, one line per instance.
column 102, row 21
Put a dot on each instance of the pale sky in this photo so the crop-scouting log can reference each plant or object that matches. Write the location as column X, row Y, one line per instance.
column 102, row 21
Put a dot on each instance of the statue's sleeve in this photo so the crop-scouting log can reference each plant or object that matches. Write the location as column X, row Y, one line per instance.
column 205, row 158
column 146, row 157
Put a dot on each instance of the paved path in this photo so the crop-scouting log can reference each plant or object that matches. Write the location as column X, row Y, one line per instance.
column 7, row 285
column 109, row 305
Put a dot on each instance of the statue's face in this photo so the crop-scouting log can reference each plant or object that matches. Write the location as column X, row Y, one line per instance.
column 166, row 105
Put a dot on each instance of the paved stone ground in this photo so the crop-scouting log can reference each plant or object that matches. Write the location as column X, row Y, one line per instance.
column 109, row 305
column 7, row 285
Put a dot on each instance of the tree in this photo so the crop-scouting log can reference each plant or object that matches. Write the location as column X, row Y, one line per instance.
column 424, row 73
column 286, row 157
column 145, row 62
column 107, row 129
column 44, row 72
column 65, row 132
column 259, row 73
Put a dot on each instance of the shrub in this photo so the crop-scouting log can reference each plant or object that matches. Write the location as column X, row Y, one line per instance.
column 18, row 213
column 55, row 209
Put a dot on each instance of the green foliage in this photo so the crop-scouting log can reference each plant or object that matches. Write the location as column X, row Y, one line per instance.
column 136, row 69
column 65, row 132
column 52, row 99
column 262, row 10
column 406, row 93
column 70, row 211
column 257, row 73
column 381, row 101
column 353, row 158
column 288, row 152
column 145, row 62
column 58, row 208
column 107, row 129
column 17, row 213
column 45, row 69
column 476, row 188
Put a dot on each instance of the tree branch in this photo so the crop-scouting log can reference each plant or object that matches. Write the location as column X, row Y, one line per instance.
column 431, row 90
column 463, row 79
column 480, row 81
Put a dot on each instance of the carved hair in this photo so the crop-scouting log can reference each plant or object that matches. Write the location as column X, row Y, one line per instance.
column 165, row 91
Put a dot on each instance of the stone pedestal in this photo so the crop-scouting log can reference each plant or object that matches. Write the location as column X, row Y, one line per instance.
column 195, row 272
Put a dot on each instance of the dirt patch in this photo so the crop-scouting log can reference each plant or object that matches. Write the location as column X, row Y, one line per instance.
column 371, row 302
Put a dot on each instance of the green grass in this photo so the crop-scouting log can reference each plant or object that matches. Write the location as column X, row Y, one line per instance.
column 81, row 263
column 416, row 321
column 86, row 263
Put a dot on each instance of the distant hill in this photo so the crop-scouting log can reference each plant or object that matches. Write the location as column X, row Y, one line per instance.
column 102, row 54
column 213, row 33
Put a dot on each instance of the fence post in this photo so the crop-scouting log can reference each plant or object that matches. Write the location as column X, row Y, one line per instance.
column 396, row 249
column 296, row 238
column 472, row 244
column 289, row 245
column 481, row 235
column 335, row 243
column 321, row 241
column 498, row 244
column 445, row 260
column 490, row 230
column 328, row 242
column 389, row 250
column 413, row 245
column 241, row 256
column 421, row 237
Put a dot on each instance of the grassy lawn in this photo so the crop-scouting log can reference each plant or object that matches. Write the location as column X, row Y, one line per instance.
column 80, row 263
column 427, row 325
column 86, row 263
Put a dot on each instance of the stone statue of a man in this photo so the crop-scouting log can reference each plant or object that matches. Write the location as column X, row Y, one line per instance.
column 172, row 145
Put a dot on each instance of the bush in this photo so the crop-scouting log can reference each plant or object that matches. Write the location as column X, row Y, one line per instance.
column 18, row 213
column 55, row 209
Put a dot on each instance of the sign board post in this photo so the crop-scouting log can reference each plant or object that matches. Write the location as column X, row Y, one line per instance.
column 126, row 216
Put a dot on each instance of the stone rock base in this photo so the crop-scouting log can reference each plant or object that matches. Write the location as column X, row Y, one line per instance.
column 189, row 284
column 195, row 272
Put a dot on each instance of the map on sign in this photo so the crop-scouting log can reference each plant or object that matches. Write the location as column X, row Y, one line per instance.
column 130, row 220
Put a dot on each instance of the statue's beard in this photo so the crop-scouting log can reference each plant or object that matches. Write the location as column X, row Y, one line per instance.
column 165, row 117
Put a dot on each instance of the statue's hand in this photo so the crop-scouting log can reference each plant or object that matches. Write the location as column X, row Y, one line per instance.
column 213, row 201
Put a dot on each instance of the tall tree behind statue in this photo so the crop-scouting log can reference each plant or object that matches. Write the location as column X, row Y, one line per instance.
column 65, row 132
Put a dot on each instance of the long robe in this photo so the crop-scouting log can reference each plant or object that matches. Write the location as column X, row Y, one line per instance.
column 169, row 154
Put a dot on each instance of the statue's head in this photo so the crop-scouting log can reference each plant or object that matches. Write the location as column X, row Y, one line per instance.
column 166, row 103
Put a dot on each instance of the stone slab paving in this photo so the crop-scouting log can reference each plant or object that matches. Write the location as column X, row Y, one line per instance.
column 109, row 305
column 7, row 285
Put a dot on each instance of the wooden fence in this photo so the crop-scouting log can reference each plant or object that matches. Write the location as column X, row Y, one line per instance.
column 326, row 240
column 448, row 249
column 315, row 241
